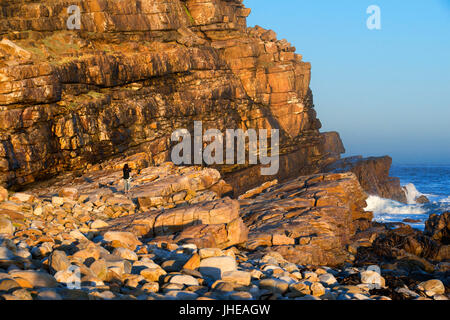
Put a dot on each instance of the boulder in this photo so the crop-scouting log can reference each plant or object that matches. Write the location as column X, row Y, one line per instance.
column 37, row 279
column 210, row 252
column 193, row 263
column 185, row 280
column 99, row 224
column 153, row 274
column 238, row 277
column 408, row 244
column 126, row 254
column 438, row 227
column 58, row 261
column 327, row 278
column 432, row 287
column 422, row 199
column 215, row 267
column 274, row 285
column 372, row 278
column 126, row 239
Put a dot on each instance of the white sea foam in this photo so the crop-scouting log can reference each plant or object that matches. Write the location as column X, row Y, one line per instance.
column 411, row 193
column 380, row 206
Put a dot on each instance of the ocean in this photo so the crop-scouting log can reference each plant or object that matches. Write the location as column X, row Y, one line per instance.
column 433, row 181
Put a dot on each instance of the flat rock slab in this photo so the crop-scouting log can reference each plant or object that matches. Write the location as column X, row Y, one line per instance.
column 309, row 220
column 207, row 224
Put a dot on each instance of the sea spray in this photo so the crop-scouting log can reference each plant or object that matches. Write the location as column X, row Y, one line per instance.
column 381, row 206
column 411, row 193
column 386, row 210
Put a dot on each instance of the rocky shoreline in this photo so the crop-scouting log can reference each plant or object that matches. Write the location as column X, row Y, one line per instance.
column 76, row 105
column 178, row 235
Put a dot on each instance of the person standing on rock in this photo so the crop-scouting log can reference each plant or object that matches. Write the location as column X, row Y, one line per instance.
column 126, row 177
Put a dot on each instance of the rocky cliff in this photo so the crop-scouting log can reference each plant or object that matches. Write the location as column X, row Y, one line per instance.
column 134, row 72
column 75, row 106
column 372, row 174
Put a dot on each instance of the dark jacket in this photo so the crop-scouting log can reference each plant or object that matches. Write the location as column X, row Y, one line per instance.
column 126, row 172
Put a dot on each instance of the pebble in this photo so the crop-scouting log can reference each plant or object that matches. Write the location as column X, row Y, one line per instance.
column 308, row 298
column 21, row 294
column 407, row 292
column 57, row 201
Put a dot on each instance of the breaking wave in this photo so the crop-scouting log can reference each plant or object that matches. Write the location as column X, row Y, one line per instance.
column 381, row 206
column 411, row 193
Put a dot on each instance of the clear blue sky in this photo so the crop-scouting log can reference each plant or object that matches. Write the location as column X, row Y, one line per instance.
column 385, row 91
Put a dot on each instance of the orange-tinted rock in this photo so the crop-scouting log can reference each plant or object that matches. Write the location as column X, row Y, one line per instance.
column 168, row 61
column 207, row 224
column 309, row 220
column 332, row 145
column 176, row 186
column 70, row 193
column 193, row 263
column 3, row 194
column 373, row 174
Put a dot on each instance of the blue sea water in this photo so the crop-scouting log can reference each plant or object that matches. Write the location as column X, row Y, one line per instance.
column 433, row 181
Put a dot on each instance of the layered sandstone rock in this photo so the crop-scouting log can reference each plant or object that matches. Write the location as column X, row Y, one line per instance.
column 134, row 72
column 214, row 224
column 309, row 220
column 163, row 186
column 373, row 175
column 332, row 146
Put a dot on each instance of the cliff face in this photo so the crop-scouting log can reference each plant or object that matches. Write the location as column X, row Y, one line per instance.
column 372, row 174
column 134, row 72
